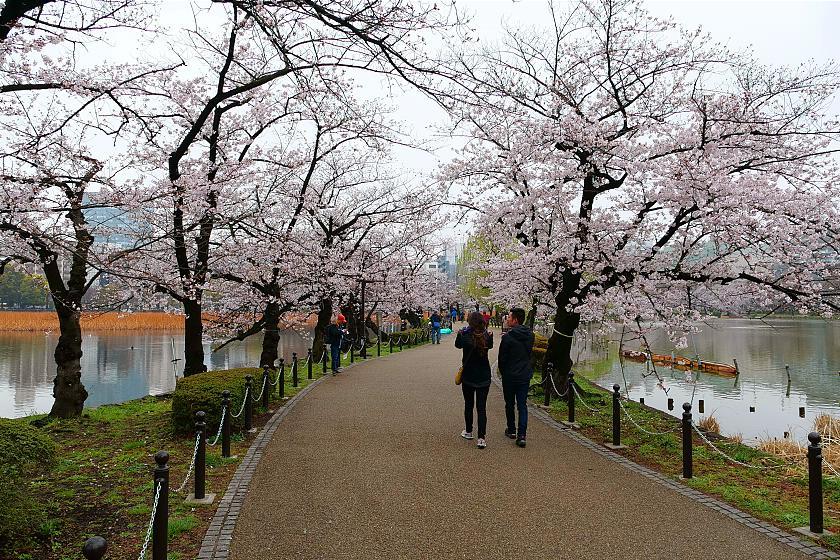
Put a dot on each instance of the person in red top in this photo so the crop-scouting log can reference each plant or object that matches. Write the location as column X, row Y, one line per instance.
column 486, row 318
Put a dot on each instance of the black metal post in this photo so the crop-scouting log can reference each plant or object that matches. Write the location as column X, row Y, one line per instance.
column 281, row 379
column 701, row 406
column 249, row 403
column 616, row 416
column 200, row 455
column 688, row 470
column 226, row 423
column 391, row 343
column 294, row 369
column 570, row 398
column 401, row 343
column 160, row 524
column 324, row 359
column 670, row 403
column 95, row 548
column 309, row 364
column 352, row 353
column 547, row 384
column 266, row 390
column 378, row 343
column 815, row 485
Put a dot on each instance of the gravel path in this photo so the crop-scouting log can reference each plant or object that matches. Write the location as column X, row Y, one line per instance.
column 370, row 466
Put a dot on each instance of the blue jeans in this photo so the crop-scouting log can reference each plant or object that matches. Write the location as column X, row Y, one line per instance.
column 516, row 393
column 435, row 335
column 335, row 354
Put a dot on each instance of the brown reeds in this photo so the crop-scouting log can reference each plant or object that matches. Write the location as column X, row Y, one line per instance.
column 35, row 321
column 709, row 424
column 796, row 451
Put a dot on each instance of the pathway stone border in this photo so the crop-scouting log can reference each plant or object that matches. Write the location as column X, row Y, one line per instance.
column 217, row 539
column 809, row 548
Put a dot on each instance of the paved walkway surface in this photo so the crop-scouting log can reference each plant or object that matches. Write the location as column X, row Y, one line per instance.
column 370, row 466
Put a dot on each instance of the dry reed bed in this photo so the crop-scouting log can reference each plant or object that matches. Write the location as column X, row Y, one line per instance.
column 35, row 321
column 796, row 452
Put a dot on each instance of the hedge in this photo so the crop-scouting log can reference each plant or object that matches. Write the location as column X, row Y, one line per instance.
column 203, row 391
column 22, row 445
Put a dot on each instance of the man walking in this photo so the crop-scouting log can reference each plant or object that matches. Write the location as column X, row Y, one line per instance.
column 516, row 369
column 335, row 335
column 434, row 321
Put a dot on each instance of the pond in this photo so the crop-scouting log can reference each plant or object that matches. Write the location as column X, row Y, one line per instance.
column 116, row 366
column 758, row 404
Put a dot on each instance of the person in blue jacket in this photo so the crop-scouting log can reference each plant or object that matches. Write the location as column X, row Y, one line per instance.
column 435, row 323
column 516, row 371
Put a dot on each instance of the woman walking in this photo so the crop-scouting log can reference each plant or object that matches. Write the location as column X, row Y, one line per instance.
column 475, row 341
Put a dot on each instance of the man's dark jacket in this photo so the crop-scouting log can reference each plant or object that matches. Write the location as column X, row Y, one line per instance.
column 515, row 355
column 334, row 334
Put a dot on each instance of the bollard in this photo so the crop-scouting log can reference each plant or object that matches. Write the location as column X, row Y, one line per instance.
column 571, row 397
column 309, row 364
column 616, row 419
column 281, row 379
column 95, row 548
column 324, row 359
column 701, row 406
column 266, row 390
column 390, row 344
column 641, row 400
column 249, row 403
column 802, row 412
column 686, row 441
column 670, row 403
column 352, row 353
column 200, row 456
column 294, row 369
column 378, row 344
column 226, row 424
column 547, row 384
column 160, row 524
column 752, row 409
column 401, row 343
column 815, row 486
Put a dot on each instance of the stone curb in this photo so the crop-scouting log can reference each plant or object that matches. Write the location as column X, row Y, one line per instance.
column 807, row 547
column 217, row 539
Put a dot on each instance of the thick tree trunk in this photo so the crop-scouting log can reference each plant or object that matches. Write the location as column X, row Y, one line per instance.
column 68, row 390
column 193, row 334
column 271, row 336
column 324, row 318
column 532, row 316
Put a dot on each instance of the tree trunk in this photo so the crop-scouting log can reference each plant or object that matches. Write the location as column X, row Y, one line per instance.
column 193, row 334
column 68, row 390
column 532, row 316
column 271, row 336
column 324, row 318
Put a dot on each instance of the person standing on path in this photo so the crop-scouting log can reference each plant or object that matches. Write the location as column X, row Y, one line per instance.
column 475, row 341
column 516, row 370
column 335, row 335
column 434, row 321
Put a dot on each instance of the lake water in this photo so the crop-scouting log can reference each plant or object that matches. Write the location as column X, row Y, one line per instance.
column 116, row 366
column 763, row 348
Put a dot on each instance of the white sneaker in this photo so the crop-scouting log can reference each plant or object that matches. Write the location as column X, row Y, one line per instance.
column 466, row 435
column 481, row 443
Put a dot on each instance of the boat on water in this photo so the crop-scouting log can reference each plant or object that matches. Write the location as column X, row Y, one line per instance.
column 681, row 362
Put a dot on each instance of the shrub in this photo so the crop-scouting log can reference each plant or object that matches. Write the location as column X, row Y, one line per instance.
column 203, row 391
column 22, row 445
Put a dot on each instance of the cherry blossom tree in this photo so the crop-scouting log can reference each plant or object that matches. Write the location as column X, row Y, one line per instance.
column 60, row 120
column 631, row 170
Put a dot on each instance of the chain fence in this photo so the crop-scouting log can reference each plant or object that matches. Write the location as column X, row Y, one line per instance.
column 148, row 538
column 639, row 427
column 221, row 424
column 244, row 400
column 192, row 465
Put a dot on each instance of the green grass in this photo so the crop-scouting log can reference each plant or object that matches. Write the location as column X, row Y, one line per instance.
column 180, row 525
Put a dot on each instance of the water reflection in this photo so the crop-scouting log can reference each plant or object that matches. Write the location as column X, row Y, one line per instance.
column 115, row 366
column 762, row 350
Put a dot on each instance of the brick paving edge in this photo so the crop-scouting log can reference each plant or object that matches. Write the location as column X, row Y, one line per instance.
column 807, row 547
